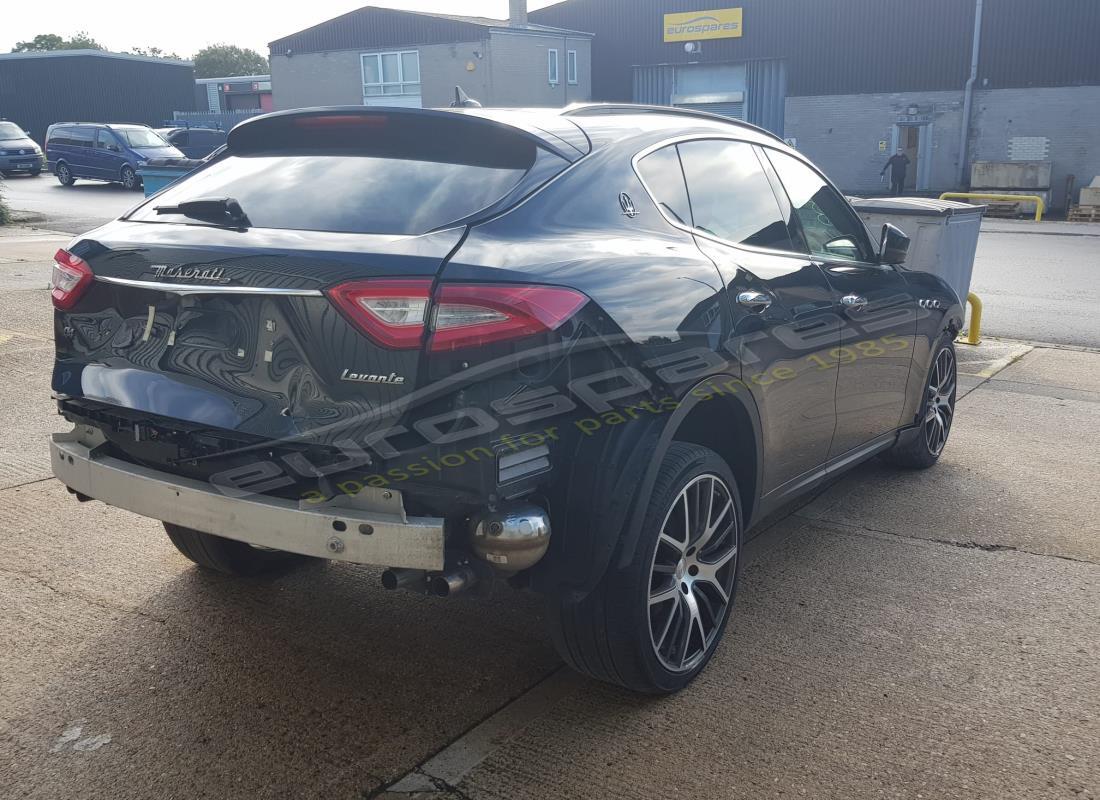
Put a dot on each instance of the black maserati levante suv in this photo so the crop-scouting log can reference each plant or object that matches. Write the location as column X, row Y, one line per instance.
column 577, row 352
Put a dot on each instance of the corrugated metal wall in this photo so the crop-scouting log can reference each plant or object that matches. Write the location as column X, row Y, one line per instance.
column 1052, row 43
column 377, row 27
column 765, row 90
column 852, row 46
column 36, row 92
column 767, row 94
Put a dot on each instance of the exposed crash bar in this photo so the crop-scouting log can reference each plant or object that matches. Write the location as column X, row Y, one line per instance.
column 260, row 520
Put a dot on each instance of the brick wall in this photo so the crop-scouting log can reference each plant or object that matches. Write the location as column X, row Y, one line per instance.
column 1069, row 117
column 841, row 134
column 521, row 75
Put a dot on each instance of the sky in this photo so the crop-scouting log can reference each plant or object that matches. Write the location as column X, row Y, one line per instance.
column 183, row 28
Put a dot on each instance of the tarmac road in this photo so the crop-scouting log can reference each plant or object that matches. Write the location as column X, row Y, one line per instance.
column 72, row 209
column 1042, row 288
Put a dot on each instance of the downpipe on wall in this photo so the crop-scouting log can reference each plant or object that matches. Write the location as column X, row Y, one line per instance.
column 968, row 95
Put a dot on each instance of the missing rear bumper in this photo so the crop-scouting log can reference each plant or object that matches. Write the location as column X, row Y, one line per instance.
column 340, row 534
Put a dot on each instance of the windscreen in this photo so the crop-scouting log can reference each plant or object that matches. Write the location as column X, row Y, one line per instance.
column 359, row 176
column 9, row 130
column 141, row 137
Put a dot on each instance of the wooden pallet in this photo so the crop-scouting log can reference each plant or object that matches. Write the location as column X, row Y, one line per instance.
column 1001, row 209
column 1084, row 214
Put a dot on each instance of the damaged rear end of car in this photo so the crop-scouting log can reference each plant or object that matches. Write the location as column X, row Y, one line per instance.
column 271, row 352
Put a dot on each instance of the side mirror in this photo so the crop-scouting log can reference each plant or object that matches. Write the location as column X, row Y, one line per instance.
column 894, row 245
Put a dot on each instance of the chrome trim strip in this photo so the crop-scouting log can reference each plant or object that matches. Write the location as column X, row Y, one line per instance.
column 182, row 288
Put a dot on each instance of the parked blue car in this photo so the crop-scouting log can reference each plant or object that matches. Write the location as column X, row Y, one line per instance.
column 194, row 142
column 103, row 152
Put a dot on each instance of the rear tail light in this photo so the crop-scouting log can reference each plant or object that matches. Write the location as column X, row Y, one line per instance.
column 391, row 312
column 71, row 278
column 469, row 315
column 395, row 312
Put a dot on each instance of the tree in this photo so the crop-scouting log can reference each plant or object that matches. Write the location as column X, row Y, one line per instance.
column 153, row 52
column 51, row 41
column 227, row 60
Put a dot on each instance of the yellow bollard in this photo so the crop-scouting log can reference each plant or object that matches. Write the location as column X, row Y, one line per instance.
column 974, row 330
column 1039, row 207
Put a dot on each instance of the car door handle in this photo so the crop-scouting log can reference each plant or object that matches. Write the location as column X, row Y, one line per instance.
column 853, row 301
column 757, row 301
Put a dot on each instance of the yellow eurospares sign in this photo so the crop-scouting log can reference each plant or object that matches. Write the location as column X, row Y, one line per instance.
column 722, row 23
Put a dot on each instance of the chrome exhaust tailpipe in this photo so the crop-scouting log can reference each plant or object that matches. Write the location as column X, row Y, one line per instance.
column 415, row 579
column 452, row 582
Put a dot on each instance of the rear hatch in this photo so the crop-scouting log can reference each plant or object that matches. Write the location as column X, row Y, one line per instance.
column 233, row 313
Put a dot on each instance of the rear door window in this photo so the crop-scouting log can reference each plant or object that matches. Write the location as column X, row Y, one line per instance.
column 731, row 196
column 82, row 137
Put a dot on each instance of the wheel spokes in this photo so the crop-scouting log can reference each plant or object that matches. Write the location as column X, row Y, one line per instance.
column 693, row 572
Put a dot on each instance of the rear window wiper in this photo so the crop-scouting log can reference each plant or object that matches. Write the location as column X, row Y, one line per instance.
column 219, row 210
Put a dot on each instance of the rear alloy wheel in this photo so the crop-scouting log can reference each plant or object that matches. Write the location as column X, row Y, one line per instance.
column 938, row 413
column 129, row 178
column 65, row 175
column 691, row 579
column 653, row 625
column 228, row 556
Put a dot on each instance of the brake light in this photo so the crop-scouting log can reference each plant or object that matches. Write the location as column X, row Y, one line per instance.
column 344, row 121
column 469, row 315
column 71, row 278
column 394, row 312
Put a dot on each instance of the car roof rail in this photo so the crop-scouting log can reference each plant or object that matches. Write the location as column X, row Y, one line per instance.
column 597, row 109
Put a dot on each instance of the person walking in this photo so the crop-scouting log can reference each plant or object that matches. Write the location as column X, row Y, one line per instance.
column 898, row 164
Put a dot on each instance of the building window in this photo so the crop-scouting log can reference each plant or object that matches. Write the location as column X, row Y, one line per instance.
column 553, row 67
column 571, row 66
column 393, row 76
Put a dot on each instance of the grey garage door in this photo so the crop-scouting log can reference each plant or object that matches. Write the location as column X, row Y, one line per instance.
column 735, row 110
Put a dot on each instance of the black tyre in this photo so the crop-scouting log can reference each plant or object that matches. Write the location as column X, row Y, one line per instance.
column 922, row 450
column 228, row 556
column 129, row 178
column 64, row 174
column 653, row 626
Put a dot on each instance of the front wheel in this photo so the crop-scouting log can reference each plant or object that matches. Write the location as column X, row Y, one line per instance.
column 228, row 556
column 129, row 178
column 922, row 450
column 653, row 626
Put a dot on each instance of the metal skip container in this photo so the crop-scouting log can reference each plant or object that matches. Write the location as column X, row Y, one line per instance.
column 944, row 234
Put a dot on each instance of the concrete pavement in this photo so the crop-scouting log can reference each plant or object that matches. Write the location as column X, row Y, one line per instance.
column 901, row 635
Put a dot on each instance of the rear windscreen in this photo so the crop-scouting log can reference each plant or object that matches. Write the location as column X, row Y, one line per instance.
column 358, row 178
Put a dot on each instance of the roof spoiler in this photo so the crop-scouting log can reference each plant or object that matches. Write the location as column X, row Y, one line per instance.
column 347, row 125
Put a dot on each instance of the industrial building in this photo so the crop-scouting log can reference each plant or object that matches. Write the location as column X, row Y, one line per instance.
column 950, row 82
column 381, row 56
column 40, row 88
column 239, row 93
